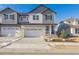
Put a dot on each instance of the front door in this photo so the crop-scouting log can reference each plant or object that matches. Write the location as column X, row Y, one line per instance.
column 52, row 28
column 49, row 30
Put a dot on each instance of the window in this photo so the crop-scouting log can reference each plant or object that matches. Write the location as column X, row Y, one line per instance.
column 78, row 22
column 35, row 17
column 5, row 16
column 48, row 17
column 77, row 30
column 47, row 29
column 12, row 17
column 8, row 16
column 23, row 18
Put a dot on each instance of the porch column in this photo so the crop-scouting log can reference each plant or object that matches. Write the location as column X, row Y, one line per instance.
column 53, row 30
column 22, row 31
column 50, row 30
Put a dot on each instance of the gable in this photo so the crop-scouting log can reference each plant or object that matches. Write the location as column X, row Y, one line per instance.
column 42, row 9
column 47, row 11
column 7, row 10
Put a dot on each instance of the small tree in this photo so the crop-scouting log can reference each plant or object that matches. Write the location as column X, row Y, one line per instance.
column 62, row 35
column 63, row 31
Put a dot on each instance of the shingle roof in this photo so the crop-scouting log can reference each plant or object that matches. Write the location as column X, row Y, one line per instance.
column 72, row 19
column 41, row 8
column 22, row 13
column 7, row 10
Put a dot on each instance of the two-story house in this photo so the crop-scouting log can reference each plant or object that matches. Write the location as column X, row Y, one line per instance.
column 35, row 24
column 74, row 26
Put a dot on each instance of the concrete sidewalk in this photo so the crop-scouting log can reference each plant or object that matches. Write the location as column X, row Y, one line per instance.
column 53, row 50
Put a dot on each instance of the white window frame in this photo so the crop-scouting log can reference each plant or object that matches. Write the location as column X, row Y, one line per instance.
column 35, row 17
column 22, row 18
column 9, row 16
column 48, row 17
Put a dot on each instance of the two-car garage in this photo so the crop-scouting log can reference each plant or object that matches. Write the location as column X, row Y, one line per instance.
column 29, row 31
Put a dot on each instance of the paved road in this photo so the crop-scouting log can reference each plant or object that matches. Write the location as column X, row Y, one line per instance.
column 58, row 49
column 40, row 51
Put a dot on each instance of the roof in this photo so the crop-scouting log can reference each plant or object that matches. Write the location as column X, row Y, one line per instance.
column 74, row 26
column 7, row 10
column 22, row 13
column 41, row 8
column 70, row 20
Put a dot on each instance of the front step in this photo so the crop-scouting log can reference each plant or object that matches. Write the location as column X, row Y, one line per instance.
column 52, row 36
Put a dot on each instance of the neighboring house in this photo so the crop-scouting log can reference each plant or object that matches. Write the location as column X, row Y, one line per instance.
column 74, row 26
column 35, row 24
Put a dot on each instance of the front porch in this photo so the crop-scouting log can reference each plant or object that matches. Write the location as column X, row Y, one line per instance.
column 50, row 30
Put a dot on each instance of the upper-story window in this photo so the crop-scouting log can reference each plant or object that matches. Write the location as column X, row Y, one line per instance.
column 9, row 16
column 48, row 17
column 12, row 17
column 21, row 17
column 35, row 17
column 5, row 16
column 78, row 22
column 24, row 18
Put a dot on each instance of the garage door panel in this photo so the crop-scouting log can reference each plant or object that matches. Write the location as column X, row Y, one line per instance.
column 33, row 32
column 9, row 31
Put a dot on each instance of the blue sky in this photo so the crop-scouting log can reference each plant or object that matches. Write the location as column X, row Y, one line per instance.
column 63, row 11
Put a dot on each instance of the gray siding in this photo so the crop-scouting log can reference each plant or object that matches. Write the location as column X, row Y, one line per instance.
column 10, row 21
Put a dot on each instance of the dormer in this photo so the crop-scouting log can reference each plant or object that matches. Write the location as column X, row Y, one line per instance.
column 8, row 16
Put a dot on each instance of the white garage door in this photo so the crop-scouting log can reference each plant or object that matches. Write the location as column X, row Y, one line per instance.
column 10, row 31
column 33, row 32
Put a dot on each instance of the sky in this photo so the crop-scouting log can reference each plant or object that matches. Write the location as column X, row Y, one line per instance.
column 63, row 11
